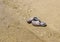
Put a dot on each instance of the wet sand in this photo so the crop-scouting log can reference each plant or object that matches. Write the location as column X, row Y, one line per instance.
column 13, row 16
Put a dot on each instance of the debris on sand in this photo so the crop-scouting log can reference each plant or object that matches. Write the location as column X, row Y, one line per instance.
column 36, row 22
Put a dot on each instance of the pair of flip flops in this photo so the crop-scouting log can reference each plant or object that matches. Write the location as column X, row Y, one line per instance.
column 36, row 22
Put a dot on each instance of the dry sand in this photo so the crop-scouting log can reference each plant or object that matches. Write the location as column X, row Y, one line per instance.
column 13, row 16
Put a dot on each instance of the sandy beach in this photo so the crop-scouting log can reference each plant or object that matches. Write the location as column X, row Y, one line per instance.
column 13, row 16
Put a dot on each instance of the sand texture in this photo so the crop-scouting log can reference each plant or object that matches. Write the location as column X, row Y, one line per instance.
column 13, row 16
